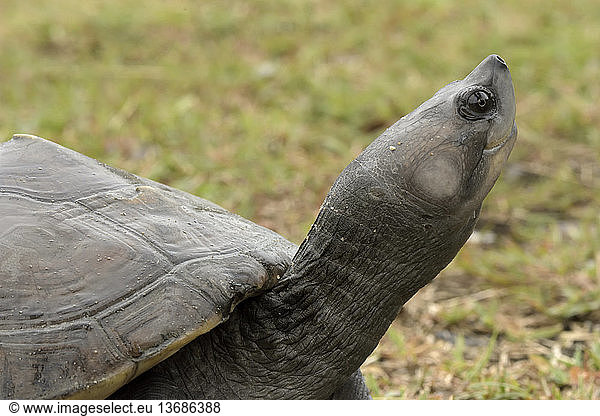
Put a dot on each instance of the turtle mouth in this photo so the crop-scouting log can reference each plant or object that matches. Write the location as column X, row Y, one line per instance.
column 494, row 145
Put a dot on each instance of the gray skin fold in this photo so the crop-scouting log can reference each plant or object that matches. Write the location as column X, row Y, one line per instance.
column 394, row 218
column 355, row 388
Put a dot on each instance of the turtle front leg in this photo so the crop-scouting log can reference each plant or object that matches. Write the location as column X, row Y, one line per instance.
column 354, row 388
column 150, row 386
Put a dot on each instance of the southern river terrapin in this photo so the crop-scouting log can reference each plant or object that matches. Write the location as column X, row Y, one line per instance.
column 112, row 285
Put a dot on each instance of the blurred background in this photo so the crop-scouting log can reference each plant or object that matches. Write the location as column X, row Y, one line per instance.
column 258, row 105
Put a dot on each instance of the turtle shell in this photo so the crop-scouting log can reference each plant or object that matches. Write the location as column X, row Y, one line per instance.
column 103, row 274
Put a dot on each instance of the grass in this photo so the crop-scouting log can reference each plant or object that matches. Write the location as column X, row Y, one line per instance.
column 258, row 105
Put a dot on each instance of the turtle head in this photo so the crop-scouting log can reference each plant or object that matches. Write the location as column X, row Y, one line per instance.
column 446, row 155
column 462, row 138
column 457, row 142
column 422, row 182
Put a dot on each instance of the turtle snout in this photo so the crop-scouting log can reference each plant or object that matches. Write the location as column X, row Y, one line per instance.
column 500, row 61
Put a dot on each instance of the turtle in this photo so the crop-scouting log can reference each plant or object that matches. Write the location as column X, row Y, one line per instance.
column 115, row 286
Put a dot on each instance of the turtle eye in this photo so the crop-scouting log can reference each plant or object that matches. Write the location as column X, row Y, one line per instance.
column 477, row 104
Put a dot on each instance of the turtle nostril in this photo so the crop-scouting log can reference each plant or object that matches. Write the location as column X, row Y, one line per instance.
column 500, row 60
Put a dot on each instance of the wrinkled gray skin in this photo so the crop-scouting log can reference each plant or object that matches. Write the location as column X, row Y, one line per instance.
column 395, row 217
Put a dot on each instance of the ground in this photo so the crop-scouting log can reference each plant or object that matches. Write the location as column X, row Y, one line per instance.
column 258, row 105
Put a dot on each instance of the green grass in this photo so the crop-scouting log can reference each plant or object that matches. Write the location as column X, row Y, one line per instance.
column 258, row 105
